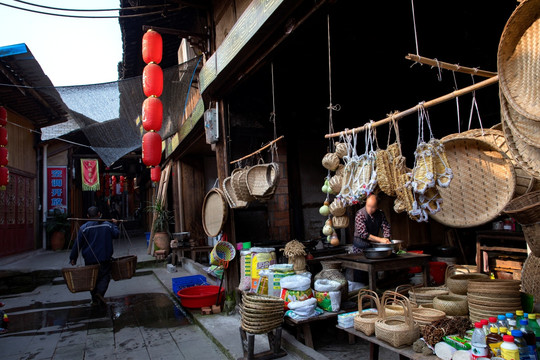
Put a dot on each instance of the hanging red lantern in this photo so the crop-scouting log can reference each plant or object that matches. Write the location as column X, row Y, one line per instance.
column 151, row 149
column 152, row 80
column 4, row 176
column 152, row 47
column 152, row 114
column 3, row 136
column 121, row 178
column 155, row 174
column 3, row 156
column 3, row 116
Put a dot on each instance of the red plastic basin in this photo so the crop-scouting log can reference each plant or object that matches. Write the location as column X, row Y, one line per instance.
column 200, row 296
column 415, row 269
column 437, row 270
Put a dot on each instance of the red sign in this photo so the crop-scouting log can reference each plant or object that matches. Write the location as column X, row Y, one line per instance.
column 57, row 188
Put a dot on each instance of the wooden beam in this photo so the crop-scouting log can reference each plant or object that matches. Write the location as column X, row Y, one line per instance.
column 448, row 66
column 258, row 151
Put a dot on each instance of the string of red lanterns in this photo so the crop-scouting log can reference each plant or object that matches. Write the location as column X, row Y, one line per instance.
column 152, row 108
column 4, row 171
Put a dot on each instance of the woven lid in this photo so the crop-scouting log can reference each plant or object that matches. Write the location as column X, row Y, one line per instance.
column 518, row 59
column 214, row 212
column 484, row 182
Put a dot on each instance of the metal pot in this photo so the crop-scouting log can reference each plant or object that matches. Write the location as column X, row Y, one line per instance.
column 395, row 245
column 378, row 252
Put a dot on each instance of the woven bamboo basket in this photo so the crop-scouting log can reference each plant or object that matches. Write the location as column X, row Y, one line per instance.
column 526, row 155
column 518, row 62
column 451, row 305
column 337, row 208
column 530, row 276
column 531, row 232
column 261, row 313
column 239, row 184
column 525, row 209
column 385, row 175
column 340, row 222
column 330, row 161
column 397, row 330
column 262, row 180
column 230, row 194
column 484, row 182
column 458, row 283
column 390, row 305
column 425, row 295
column 525, row 182
column 365, row 321
column 123, row 267
column 214, row 212
column 82, row 278
column 425, row 316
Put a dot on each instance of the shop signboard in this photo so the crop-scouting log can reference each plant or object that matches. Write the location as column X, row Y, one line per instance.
column 57, row 188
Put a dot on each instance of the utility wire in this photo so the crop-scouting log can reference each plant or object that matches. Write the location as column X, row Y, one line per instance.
column 90, row 17
column 91, row 10
column 55, row 138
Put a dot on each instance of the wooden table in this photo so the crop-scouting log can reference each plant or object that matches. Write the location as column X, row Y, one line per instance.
column 515, row 237
column 178, row 252
column 396, row 262
column 405, row 352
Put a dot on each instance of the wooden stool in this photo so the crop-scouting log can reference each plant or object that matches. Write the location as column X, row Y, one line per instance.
column 274, row 342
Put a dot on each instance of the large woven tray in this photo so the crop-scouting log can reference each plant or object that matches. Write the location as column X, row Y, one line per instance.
column 518, row 59
column 214, row 212
column 484, row 182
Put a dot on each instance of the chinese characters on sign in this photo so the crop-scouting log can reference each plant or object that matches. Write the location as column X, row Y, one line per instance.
column 57, row 188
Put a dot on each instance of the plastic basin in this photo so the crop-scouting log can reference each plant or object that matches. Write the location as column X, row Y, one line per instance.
column 200, row 296
column 437, row 271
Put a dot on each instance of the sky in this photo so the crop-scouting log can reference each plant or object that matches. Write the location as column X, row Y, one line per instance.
column 70, row 51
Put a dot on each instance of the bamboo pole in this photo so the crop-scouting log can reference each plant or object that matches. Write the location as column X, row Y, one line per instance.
column 89, row 219
column 448, row 66
column 258, row 151
column 414, row 109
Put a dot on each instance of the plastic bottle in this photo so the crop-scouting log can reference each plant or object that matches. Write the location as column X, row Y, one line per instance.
column 485, row 326
column 494, row 341
column 530, row 338
column 535, row 327
column 521, row 344
column 479, row 347
column 493, row 323
column 511, row 321
column 509, row 350
column 519, row 315
column 501, row 321
column 503, row 331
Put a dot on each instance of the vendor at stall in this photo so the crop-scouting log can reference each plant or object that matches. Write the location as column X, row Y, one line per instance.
column 369, row 221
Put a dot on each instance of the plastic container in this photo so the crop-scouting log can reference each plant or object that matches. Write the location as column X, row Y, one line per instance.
column 479, row 347
column 519, row 315
column 415, row 269
column 200, row 296
column 501, row 321
column 521, row 344
column 503, row 331
column 437, row 270
column 180, row 283
column 511, row 322
column 494, row 341
column 530, row 338
column 485, row 326
column 493, row 323
column 509, row 350
column 535, row 327
column 147, row 234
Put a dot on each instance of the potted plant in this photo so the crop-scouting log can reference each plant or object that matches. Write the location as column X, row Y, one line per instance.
column 162, row 216
column 57, row 226
column 230, row 302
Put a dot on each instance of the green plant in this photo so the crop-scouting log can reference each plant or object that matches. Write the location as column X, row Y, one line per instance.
column 58, row 222
column 162, row 216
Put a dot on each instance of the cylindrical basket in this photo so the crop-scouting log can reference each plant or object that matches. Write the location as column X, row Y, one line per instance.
column 458, row 283
column 82, row 278
column 365, row 321
column 261, row 313
column 530, row 276
column 222, row 251
column 123, row 267
column 531, row 232
column 525, row 209
column 451, row 305
column 239, row 184
column 262, row 180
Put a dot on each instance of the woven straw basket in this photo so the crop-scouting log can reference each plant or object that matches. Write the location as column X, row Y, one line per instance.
column 330, row 161
column 261, row 314
column 385, row 174
column 397, row 330
column 518, row 59
column 525, row 182
column 123, row 267
column 451, row 305
column 457, row 283
column 530, row 276
column 230, row 194
column 425, row 295
column 525, row 209
column 336, row 182
column 337, row 208
column 365, row 321
column 81, row 278
column 341, row 150
column 340, row 222
column 239, row 184
column 483, row 184
column 214, row 212
column 262, row 180
column 531, row 232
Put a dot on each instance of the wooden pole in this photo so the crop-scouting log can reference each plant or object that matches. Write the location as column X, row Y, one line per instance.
column 414, row 109
column 448, row 66
column 258, row 151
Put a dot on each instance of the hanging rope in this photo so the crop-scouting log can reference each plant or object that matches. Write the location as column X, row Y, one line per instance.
column 414, row 24
column 331, row 106
column 273, row 148
column 457, row 103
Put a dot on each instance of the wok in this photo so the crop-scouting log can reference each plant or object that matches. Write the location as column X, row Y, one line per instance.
column 395, row 245
column 378, row 252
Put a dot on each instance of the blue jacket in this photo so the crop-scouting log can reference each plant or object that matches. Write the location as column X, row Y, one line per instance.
column 94, row 241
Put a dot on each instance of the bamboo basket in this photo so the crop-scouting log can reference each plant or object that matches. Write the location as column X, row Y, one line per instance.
column 261, row 314
column 518, row 62
column 483, row 183
column 530, row 276
column 214, row 212
column 425, row 295
column 239, row 185
column 425, row 316
column 123, row 267
column 337, row 208
column 451, row 305
column 82, row 278
column 365, row 321
column 397, row 330
column 230, row 194
column 458, row 283
column 531, row 232
column 525, row 209
column 385, row 179
column 335, row 183
column 340, row 222
column 262, row 180
column 341, row 149
column 330, row 161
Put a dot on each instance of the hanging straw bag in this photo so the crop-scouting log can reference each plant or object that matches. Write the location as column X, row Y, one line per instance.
column 239, row 184
column 340, row 222
column 262, row 180
column 335, row 183
column 340, row 149
column 230, row 194
column 397, row 330
column 423, row 176
column 365, row 321
column 386, row 174
column 337, row 208
column 330, row 161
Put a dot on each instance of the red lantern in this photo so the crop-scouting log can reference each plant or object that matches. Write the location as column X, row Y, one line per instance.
column 4, row 176
column 152, row 114
column 151, row 149
column 121, row 178
column 155, row 174
column 3, row 136
column 152, row 47
column 3, row 156
column 152, row 80
column 3, row 116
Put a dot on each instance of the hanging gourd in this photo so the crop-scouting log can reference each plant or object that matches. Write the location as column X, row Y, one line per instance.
column 152, row 47
column 152, row 114
column 3, row 116
column 151, row 149
column 3, row 156
column 3, row 136
column 152, row 80
column 4, row 176
column 155, row 174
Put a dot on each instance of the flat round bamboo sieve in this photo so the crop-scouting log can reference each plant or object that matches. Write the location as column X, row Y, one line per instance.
column 518, row 59
column 484, row 182
column 214, row 212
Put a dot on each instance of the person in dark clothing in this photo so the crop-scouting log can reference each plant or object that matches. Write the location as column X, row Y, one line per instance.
column 94, row 242
column 369, row 221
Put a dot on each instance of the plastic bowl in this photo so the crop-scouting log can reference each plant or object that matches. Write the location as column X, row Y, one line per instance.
column 200, row 296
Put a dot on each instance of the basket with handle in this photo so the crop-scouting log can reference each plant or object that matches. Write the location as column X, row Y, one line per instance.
column 525, row 208
column 457, row 283
column 222, row 251
column 397, row 330
column 81, row 278
column 124, row 267
column 262, row 180
column 239, row 184
column 365, row 321
column 230, row 194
